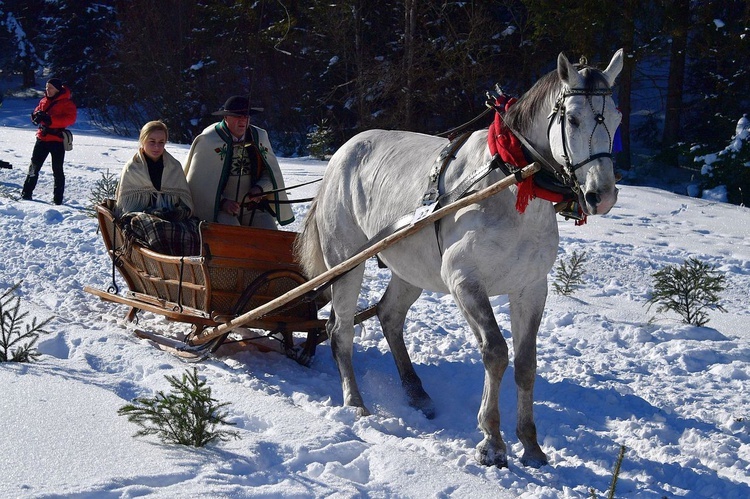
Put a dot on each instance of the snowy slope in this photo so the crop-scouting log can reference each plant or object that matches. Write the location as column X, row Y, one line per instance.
column 676, row 396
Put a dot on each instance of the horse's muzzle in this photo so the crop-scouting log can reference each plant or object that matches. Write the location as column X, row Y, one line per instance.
column 598, row 203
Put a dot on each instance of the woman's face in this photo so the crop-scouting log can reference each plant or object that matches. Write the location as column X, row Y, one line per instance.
column 51, row 91
column 153, row 146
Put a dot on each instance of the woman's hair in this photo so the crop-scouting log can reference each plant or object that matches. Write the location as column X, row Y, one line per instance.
column 152, row 126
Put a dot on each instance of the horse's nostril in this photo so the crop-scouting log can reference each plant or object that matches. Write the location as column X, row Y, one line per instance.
column 592, row 198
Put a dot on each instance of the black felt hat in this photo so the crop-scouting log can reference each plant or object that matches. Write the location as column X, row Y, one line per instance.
column 237, row 105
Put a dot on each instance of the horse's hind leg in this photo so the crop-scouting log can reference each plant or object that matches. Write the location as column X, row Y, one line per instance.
column 526, row 309
column 476, row 308
column 392, row 310
column 340, row 327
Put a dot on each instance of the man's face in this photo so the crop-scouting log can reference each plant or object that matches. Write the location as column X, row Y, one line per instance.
column 237, row 125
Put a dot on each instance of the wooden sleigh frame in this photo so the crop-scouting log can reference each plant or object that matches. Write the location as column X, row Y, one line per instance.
column 239, row 269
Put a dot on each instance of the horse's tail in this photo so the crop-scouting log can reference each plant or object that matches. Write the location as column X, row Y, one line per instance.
column 307, row 249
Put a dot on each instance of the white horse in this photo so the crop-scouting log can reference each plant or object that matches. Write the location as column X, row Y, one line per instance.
column 567, row 121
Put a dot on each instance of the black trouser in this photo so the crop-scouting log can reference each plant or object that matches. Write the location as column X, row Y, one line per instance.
column 42, row 149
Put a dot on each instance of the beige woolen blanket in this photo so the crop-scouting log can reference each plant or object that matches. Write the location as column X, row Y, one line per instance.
column 135, row 190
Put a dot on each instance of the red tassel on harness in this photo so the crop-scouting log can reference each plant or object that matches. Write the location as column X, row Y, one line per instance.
column 528, row 190
column 499, row 138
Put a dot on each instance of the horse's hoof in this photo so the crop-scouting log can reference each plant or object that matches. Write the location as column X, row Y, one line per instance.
column 487, row 456
column 425, row 404
column 537, row 460
column 362, row 412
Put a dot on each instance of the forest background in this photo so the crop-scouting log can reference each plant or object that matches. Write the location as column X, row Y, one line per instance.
column 336, row 68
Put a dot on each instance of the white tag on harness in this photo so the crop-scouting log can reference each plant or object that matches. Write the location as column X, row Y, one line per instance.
column 423, row 211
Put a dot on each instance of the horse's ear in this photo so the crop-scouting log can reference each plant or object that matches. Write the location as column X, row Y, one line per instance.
column 614, row 68
column 568, row 73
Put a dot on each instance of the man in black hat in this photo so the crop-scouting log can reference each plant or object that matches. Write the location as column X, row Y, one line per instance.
column 229, row 168
column 55, row 112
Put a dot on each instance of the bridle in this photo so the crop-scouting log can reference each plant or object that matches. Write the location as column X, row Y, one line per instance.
column 566, row 173
column 560, row 111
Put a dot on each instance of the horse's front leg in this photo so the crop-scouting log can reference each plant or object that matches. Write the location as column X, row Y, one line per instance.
column 340, row 328
column 475, row 306
column 526, row 309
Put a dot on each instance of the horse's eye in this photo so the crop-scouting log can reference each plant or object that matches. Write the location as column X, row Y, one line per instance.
column 573, row 121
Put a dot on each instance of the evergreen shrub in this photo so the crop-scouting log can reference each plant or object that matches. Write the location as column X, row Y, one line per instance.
column 188, row 415
column 17, row 338
column 569, row 275
column 691, row 290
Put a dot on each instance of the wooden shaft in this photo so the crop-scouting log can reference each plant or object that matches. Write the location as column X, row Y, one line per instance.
column 373, row 250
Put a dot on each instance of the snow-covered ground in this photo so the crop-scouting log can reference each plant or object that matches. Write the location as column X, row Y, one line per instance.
column 676, row 396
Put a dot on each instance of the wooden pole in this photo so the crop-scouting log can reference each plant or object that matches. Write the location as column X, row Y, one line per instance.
column 363, row 255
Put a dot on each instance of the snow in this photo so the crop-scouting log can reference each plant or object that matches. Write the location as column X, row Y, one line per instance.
column 610, row 372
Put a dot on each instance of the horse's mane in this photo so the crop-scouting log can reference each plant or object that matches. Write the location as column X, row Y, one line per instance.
column 520, row 117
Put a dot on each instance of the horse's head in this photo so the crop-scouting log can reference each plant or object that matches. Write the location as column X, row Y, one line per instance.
column 581, row 131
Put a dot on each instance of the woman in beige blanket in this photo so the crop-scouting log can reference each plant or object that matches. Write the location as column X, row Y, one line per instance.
column 153, row 180
column 153, row 202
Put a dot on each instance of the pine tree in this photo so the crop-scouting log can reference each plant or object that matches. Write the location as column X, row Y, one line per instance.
column 188, row 415
column 20, row 38
column 569, row 276
column 718, row 73
column 729, row 167
column 17, row 345
column 691, row 290
column 80, row 40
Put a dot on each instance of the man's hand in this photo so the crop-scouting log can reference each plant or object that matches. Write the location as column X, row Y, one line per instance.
column 255, row 194
column 41, row 118
column 231, row 207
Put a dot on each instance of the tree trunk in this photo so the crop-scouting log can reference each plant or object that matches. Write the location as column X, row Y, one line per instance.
column 359, row 65
column 679, row 20
column 624, row 161
column 409, row 28
column 29, row 77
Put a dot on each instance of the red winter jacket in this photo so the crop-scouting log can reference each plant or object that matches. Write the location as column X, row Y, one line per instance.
column 61, row 110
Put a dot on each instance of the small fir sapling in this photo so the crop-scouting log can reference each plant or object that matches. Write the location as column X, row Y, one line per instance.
column 188, row 415
column 320, row 139
column 569, row 275
column 691, row 290
column 17, row 338
column 104, row 188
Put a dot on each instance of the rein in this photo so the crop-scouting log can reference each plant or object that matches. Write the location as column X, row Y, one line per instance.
column 451, row 134
column 249, row 204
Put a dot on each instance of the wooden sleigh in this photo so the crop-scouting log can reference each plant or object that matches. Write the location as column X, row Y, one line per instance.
column 238, row 269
